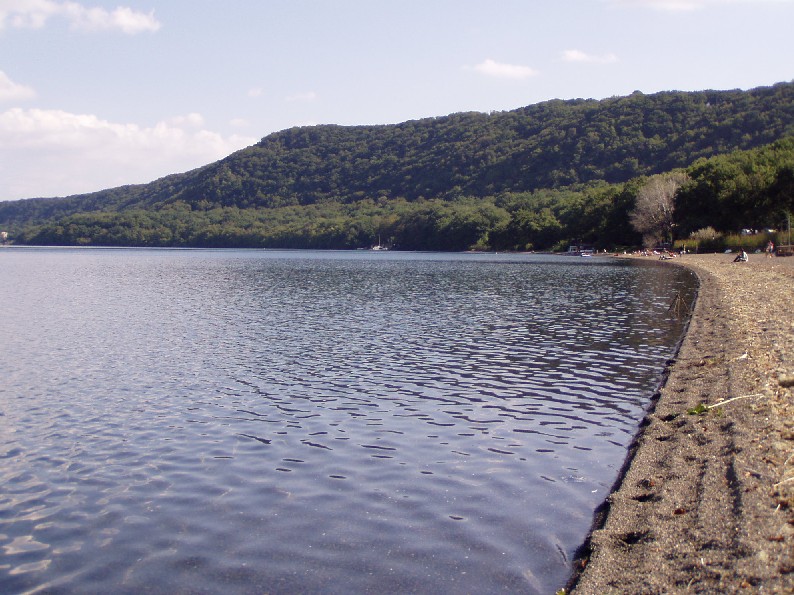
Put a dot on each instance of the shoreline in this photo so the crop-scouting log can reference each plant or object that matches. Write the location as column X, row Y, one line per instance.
column 705, row 500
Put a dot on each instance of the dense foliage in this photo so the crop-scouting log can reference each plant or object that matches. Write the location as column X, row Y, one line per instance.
column 740, row 190
column 511, row 221
column 534, row 178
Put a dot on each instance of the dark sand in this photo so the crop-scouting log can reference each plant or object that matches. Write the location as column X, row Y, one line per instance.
column 706, row 504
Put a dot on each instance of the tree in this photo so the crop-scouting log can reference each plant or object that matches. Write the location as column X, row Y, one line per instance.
column 654, row 206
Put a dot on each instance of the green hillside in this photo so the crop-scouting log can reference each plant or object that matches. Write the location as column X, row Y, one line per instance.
column 533, row 177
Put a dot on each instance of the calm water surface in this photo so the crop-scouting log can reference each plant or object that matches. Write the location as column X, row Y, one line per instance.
column 283, row 422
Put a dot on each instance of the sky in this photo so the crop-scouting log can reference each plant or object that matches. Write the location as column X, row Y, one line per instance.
column 97, row 94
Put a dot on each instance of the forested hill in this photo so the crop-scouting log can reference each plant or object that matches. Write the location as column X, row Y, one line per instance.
column 548, row 145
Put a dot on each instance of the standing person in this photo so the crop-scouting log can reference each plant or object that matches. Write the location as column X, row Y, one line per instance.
column 770, row 248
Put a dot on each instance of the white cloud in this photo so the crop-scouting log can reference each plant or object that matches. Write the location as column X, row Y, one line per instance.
column 500, row 70
column 34, row 14
column 122, row 18
column 255, row 92
column 11, row 91
column 192, row 120
column 579, row 56
column 57, row 153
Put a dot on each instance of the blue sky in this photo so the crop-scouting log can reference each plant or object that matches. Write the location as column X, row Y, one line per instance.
column 97, row 94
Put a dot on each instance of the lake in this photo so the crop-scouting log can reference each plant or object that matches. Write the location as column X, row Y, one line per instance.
column 206, row 421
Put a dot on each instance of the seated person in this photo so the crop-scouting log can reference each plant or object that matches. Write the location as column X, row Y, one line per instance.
column 741, row 257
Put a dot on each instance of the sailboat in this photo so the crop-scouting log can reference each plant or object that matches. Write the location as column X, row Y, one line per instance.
column 379, row 246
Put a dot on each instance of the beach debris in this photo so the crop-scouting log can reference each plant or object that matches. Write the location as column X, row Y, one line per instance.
column 679, row 306
column 710, row 360
column 703, row 408
column 776, row 538
column 700, row 409
column 780, row 483
column 725, row 401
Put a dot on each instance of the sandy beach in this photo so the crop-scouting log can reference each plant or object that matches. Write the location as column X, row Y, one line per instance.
column 706, row 503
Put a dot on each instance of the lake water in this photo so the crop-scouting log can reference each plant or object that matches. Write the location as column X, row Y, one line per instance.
column 179, row 421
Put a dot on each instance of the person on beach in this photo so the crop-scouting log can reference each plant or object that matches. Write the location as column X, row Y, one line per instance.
column 741, row 257
column 770, row 249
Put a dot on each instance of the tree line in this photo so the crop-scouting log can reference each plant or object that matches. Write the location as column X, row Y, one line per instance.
column 536, row 178
column 743, row 189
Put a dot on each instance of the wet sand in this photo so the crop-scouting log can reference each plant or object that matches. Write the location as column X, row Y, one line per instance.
column 706, row 504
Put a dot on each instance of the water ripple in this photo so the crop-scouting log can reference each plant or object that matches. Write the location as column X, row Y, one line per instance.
column 237, row 421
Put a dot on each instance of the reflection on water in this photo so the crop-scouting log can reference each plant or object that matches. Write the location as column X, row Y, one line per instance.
column 248, row 421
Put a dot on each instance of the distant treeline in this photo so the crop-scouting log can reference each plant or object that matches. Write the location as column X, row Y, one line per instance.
column 743, row 189
column 538, row 178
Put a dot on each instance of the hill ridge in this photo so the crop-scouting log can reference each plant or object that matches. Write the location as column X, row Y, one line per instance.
column 551, row 145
